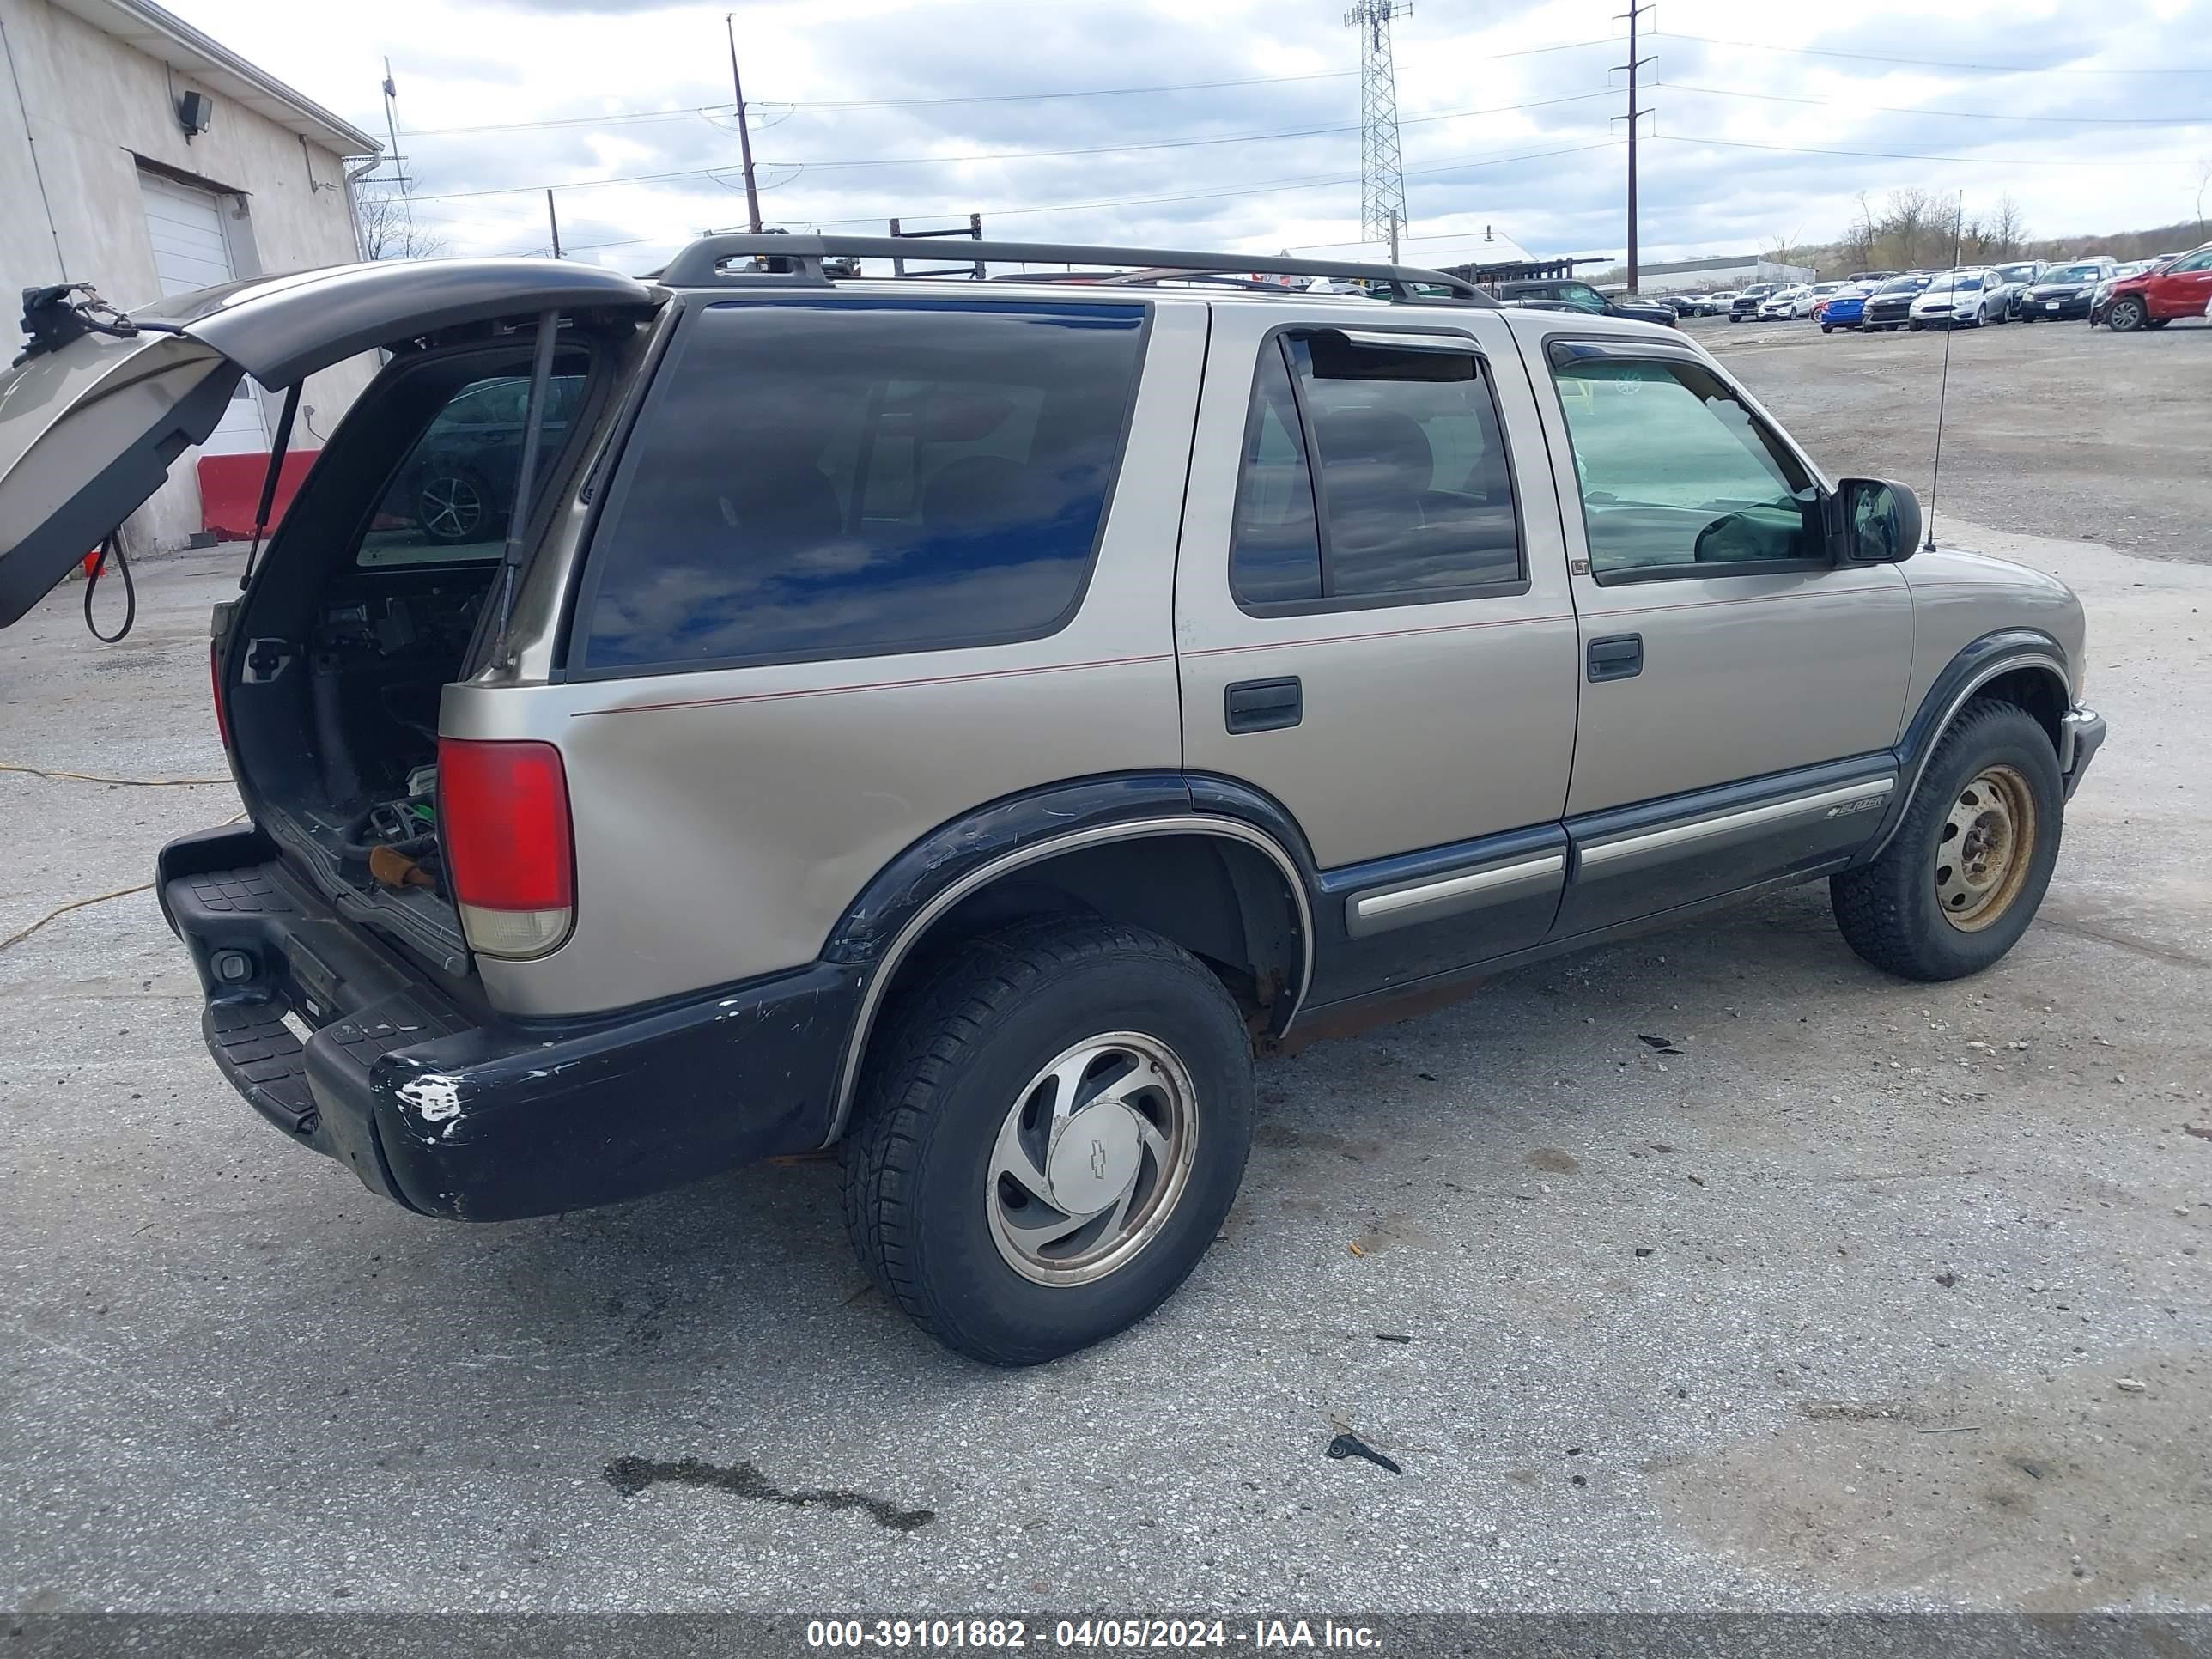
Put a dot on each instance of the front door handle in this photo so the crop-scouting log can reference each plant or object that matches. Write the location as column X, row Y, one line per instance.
column 1616, row 657
column 1265, row 705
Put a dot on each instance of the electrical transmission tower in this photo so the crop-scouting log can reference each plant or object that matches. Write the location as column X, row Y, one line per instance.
column 1381, row 169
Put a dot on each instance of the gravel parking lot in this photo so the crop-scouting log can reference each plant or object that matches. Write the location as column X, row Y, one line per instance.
column 2050, row 429
column 1870, row 1296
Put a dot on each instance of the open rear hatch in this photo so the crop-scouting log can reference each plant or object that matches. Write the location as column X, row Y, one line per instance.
column 95, row 412
column 330, row 670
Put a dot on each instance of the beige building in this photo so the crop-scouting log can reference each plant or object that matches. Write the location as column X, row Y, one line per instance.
column 104, row 180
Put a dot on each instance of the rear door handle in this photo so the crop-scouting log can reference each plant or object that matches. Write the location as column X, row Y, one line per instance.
column 1265, row 705
column 1616, row 657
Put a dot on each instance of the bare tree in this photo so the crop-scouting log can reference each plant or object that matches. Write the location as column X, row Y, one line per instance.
column 1858, row 245
column 388, row 230
column 1910, row 226
column 2006, row 232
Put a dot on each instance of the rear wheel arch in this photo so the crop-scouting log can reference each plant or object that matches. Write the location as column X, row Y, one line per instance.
column 1225, row 890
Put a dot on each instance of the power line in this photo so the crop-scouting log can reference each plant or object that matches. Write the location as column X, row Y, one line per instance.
column 1951, row 114
column 1311, row 181
column 1924, row 63
column 1185, row 143
column 802, row 107
column 617, row 116
column 1012, row 155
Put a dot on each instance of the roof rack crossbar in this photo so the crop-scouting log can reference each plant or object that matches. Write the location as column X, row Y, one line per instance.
column 700, row 263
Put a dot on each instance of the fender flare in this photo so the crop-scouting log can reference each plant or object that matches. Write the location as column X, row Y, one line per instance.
column 893, row 912
column 1974, row 666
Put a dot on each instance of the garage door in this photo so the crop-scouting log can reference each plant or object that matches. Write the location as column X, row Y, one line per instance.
column 190, row 252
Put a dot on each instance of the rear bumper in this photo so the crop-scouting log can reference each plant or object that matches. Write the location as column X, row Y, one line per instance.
column 453, row 1111
column 2081, row 734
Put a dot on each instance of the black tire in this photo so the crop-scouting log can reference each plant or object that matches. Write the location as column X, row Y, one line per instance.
column 2127, row 314
column 1827, row 328
column 940, row 1082
column 1889, row 910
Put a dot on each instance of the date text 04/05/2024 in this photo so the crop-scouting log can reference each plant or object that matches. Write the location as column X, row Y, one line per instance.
column 1089, row 1635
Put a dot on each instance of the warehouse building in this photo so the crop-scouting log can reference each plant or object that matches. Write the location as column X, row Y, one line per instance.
column 139, row 156
column 1705, row 275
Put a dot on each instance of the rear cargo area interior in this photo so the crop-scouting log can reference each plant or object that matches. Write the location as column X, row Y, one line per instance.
column 370, row 600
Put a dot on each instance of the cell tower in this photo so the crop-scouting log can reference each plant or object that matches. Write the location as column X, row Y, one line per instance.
column 1381, row 169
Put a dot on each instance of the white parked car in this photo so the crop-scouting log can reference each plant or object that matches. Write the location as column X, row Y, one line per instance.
column 1966, row 298
column 1786, row 304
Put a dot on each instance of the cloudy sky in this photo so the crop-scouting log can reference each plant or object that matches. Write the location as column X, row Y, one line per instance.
column 1235, row 124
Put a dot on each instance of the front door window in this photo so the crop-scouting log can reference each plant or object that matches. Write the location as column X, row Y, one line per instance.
column 1678, row 477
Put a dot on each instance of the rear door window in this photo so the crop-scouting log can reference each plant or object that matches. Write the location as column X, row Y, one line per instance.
column 858, row 477
column 1371, row 475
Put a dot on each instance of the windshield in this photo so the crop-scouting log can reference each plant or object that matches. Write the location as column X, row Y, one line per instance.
column 2077, row 274
column 2015, row 273
column 1905, row 285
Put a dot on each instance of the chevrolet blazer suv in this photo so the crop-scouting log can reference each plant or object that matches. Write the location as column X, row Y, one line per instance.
column 958, row 723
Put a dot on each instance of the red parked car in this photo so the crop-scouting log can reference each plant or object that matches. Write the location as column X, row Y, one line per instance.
column 2154, row 297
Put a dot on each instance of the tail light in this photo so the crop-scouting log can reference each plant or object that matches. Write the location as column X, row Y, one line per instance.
column 215, row 680
column 504, row 827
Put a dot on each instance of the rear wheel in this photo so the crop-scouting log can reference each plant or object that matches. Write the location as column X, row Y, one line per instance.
column 1050, row 1138
column 1961, row 878
column 2128, row 314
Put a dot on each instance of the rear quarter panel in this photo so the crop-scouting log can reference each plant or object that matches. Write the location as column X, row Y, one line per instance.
column 725, row 819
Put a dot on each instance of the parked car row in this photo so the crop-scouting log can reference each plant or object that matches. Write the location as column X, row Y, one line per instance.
column 2144, row 294
column 2155, row 292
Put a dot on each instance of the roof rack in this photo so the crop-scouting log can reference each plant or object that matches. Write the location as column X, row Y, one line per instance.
column 799, row 259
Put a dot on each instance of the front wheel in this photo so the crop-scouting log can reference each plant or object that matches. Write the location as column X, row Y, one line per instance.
column 1961, row 878
column 1050, row 1137
column 2127, row 315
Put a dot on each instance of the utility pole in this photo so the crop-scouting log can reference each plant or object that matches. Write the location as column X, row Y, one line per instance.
column 553, row 221
column 1382, row 169
column 745, row 136
column 392, row 126
column 1635, row 12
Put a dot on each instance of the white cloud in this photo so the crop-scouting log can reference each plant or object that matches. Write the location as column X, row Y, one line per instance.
column 2104, row 152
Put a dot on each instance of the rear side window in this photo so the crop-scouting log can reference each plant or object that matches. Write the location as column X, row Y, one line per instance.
column 860, row 478
column 1373, row 475
column 450, row 499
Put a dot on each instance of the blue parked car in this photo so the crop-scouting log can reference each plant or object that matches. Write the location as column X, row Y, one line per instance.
column 1846, row 310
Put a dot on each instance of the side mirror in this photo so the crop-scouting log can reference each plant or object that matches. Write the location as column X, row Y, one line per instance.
column 1878, row 523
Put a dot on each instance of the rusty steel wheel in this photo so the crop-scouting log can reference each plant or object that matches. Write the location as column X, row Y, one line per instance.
column 1958, row 880
column 1984, row 850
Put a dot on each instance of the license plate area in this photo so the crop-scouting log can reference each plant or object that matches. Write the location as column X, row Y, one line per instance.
column 315, row 986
